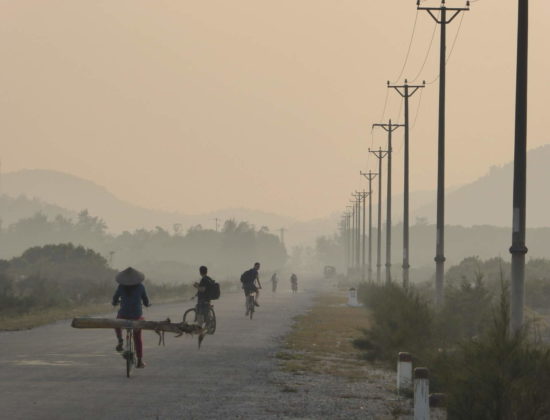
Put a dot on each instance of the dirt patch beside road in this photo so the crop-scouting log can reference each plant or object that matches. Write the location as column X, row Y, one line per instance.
column 321, row 367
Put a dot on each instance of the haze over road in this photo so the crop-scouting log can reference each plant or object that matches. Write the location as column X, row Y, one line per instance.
column 57, row 372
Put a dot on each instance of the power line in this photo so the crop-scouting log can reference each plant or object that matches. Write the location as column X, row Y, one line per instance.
column 417, row 109
column 408, row 50
column 427, row 55
column 452, row 48
column 385, row 105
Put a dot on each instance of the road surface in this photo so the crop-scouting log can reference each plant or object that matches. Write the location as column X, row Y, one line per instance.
column 57, row 372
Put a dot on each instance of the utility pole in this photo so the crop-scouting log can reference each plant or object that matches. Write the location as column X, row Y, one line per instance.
column 363, row 264
column 217, row 223
column 282, row 232
column 443, row 20
column 406, row 91
column 518, row 248
column 356, row 222
column 380, row 154
column 362, row 197
column 352, row 234
column 350, row 238
column 370, row 176
column 344, row 233
column 358, row 201
column 389, row 128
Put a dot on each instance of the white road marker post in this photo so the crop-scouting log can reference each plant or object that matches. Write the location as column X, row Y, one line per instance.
column 421, row 394
column 404, row 373
column 352, row 298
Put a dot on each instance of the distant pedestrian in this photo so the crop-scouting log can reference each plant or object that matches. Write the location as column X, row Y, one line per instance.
column 274, row 281
column 294, row 283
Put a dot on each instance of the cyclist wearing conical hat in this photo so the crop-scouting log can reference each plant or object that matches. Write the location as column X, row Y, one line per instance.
column 131, row 294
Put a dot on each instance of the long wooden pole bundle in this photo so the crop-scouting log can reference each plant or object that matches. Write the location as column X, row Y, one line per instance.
column 158, row 326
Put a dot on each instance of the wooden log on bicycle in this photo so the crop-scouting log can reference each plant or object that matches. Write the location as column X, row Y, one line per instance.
column 158, row 326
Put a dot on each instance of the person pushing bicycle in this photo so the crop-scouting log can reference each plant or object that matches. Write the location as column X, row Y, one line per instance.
column 203, row 297
column 131, row 293
column 251, row 282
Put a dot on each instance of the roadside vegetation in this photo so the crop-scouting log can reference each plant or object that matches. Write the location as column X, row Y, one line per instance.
column 54, row 282
column 166, row 256
column 487, row 371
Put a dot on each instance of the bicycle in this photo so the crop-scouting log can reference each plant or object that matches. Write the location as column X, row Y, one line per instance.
column 250, row 304
column 208, row 321
column 129, row 354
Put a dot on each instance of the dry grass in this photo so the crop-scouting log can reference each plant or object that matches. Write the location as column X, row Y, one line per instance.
column 321, row 340
column 47, row 316
column 50, row 315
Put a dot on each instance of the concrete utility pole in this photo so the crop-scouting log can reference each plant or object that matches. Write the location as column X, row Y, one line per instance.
column 345, row 233
column 359, row 198
column 443, row 20
column 380, row 154
column 350, row 238
column 370, row 176
column 353, row 229
column 362, row 197
column 389, row 128
column 356, row 232
column 282, row 232
column 406, row 91
column 518, row 248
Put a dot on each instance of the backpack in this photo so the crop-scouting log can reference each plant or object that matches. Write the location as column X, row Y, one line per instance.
column 248, row 276
column 213, row 290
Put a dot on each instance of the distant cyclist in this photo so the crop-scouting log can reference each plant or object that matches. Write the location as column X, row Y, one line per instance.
column 274, row 281
column 131, row 294
column 294, row 283
column 251, row 282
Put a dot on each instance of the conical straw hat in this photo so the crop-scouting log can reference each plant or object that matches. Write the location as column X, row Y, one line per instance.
column 129, row 277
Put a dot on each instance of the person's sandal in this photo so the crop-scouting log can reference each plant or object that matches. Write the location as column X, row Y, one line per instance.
column 140, row 364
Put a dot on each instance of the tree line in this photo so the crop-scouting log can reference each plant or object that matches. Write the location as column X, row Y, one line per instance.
column 165, row 256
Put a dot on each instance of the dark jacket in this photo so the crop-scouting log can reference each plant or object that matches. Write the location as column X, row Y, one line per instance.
column 205, row 282
column 130, row 298
column 249, row 277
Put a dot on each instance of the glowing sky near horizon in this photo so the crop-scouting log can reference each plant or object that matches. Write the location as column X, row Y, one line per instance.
column 200, row 105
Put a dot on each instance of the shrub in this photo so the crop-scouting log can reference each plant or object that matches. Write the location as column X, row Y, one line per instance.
column 401, row 321
column 501, row 375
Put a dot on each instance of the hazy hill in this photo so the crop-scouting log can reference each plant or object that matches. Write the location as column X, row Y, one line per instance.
column 488, row 200
column 70, row 194
column 14, row 209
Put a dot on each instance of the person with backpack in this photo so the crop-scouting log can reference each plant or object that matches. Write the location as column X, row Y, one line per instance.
column 251, row 282
column 207, row 290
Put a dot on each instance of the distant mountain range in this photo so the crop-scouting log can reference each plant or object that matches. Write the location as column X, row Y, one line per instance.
column 29, row 191
column 486, row 201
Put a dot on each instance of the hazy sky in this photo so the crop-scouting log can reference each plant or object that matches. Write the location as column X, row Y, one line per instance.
column 200, row 105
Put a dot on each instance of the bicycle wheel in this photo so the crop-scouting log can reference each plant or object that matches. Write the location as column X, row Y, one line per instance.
column 251, row 305
column 190, row 316
column 211, row 324
column 129, row 354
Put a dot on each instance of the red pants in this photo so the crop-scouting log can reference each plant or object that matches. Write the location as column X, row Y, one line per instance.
column 137, row 336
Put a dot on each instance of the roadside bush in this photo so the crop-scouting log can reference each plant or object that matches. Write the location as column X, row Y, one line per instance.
column 501, row 375
column 401, row 321
column 487, row 371
column 64, row 276
column 465, row 312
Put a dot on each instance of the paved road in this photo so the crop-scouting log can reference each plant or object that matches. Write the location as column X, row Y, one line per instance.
column 57, row 372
